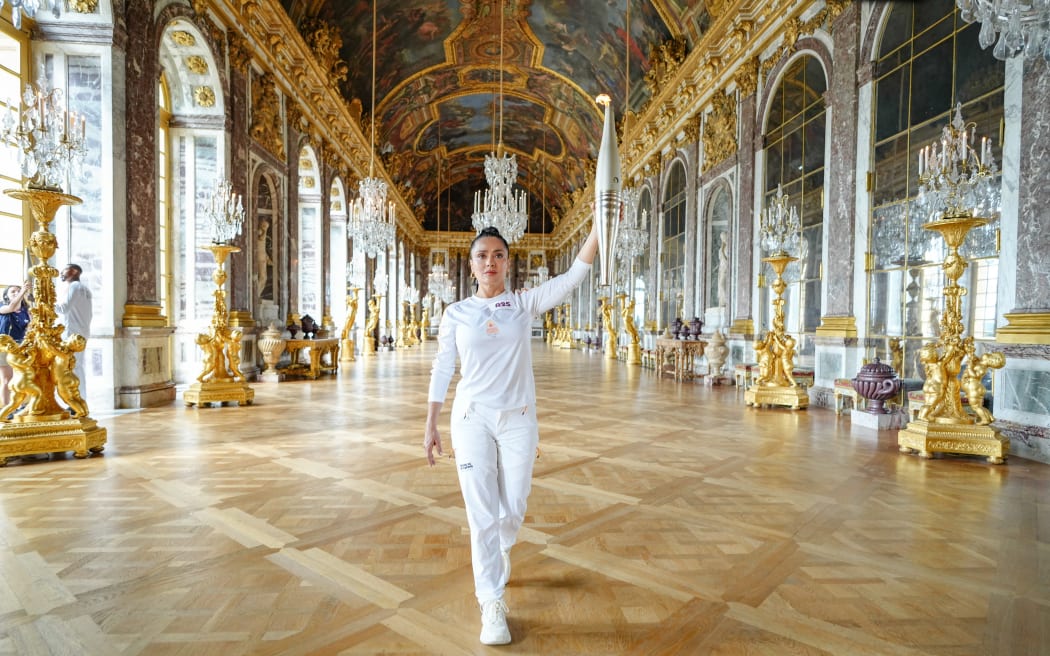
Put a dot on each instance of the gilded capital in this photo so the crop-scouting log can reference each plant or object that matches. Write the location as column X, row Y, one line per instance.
column 747, row 78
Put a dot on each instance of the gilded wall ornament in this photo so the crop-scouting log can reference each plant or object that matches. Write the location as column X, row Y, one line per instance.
column 197, row 64
column 325, row 41
column 84, row 6
column 204, row 96
column 692, row 129
column 240, row 53
column 309, row 182
column 664, row 60
column 747, row 78
column 266, row 115
column 720, row 131
column 183, row 38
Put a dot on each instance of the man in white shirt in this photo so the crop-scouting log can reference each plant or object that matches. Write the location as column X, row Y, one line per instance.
column 74, row 310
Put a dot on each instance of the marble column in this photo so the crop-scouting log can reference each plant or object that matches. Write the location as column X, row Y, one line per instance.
column 1022, row 387
column 237, row 124
column 743, row 242
column 840, row 181
column 142, row 307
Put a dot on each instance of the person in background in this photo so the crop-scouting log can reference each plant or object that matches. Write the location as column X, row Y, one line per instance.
column 14, row 318
column 74, row 310
column 494, row 428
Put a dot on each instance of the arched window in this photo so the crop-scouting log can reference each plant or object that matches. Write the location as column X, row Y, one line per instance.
column 263, row 257
column 194, row 148
column 340, row 264
column 927, row 62
column 795, row 141
column 310, row 275
column 672, row 245
column 14, row 228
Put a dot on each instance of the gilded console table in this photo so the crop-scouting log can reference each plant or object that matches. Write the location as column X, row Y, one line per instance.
column 323, row 357
column 684, row 354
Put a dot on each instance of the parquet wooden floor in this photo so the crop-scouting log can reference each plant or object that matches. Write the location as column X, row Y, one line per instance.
column 665, row 518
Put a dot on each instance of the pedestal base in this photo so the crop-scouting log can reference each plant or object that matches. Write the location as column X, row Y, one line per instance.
column 81, row 436
column 346, row 351
column 370, row 347
column 927, row 438
column 795, row 397
column 268, row 376
column 634, row 354
column 876, row 420
column 218, row 392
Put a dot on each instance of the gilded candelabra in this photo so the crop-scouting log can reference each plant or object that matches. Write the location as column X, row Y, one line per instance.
column 43, row 363
column 775, row 383
column 347, row 337
column 221, row 379
column 954, row 179
column 49, row 142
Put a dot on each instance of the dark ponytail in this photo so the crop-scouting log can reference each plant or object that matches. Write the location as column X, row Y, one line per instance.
column 490, row 231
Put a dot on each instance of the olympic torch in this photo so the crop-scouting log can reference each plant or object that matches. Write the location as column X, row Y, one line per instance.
column 607, row 205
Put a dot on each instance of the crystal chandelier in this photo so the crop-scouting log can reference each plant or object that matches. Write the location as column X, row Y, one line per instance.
column 631, row 239
column 371, row 215
column 501, row 206
column 956, row 175
column 49, row 140
column 225, row 213
column 780, row 226
column 1021, row 26
column 30, row 7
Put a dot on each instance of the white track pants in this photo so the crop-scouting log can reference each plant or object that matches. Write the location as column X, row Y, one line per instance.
column 495, row 451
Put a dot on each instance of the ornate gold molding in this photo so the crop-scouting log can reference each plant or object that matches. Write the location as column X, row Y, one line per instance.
column 720, row 130
column 1025, row 328
column 747, row 78
column 325, row 41
column 143, row 316
column 266, row 115
column 240, row 52
column 84, row 6
column 837, row 327
column 742, row 327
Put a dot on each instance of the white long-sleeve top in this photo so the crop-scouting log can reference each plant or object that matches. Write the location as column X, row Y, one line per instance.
column 491, row 337
column 75, row 310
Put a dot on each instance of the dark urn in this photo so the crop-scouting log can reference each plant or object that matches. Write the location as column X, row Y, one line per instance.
column 877, row 382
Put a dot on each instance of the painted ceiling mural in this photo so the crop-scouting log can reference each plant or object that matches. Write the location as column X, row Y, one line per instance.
column 439, row 77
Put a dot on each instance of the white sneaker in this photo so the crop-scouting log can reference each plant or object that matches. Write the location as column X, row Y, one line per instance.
column 494, row 629
column 506, row 567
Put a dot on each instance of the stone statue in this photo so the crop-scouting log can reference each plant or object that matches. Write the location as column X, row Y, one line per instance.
column 723, row 270
column 262, row 256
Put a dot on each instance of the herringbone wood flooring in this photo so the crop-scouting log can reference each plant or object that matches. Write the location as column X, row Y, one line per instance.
column 664, row 519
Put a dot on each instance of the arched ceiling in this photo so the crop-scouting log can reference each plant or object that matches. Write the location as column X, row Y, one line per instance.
column 438, row 81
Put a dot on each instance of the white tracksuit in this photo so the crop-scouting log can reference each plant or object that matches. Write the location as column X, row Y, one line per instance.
column 494, row 429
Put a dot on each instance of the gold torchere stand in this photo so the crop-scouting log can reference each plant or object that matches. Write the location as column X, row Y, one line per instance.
column 943, row 425
column 634, row 348
column 775, row 383
column 346, row 350
column 221, row 380
column 43, row 363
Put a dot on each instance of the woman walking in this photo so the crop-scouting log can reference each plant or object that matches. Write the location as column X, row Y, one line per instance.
column 493, row 426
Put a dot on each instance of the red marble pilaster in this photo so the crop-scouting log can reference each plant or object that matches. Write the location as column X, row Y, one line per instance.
column 140, row 80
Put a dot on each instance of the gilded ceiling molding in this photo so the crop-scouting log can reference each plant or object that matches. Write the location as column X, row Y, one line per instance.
column 720, row 130
column 279, row 48
column 325, row 41
column 664, row 60
column 266, row 115
column 295, row 117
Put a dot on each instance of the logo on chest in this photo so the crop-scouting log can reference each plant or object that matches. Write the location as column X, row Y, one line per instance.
column 491, row 328
column 501, row 304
